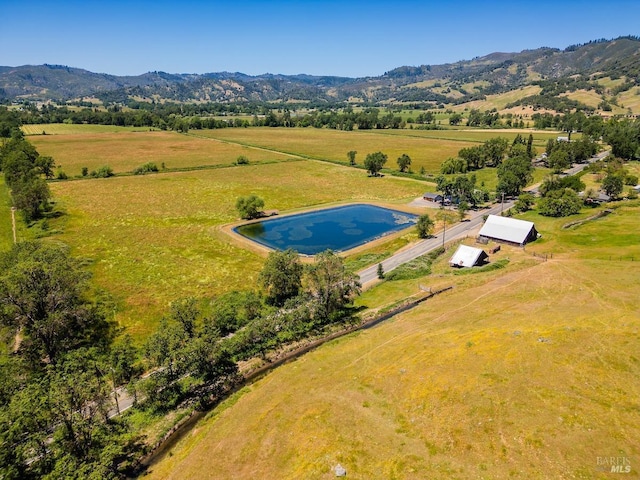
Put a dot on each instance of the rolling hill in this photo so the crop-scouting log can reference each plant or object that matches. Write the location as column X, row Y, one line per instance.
column 556, row 71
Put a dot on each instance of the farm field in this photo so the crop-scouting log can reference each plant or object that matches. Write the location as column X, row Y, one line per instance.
column 540, row 137
column 156, row 238
column 124, row 151
column 525, row 372
column 333, row 145
column 71, row 129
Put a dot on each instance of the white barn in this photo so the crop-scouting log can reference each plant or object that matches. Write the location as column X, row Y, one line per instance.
column 468, row 257
column 509, row 230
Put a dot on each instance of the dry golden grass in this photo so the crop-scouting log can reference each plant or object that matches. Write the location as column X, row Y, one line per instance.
column 124, row 151
column 500, row 380
column 528, row 372
column 326, row 144
column 73, row 129
column 499, row 101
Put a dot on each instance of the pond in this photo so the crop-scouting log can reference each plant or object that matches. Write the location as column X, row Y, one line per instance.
column 337, row 229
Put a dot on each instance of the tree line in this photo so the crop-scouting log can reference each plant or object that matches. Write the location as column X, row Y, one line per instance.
column 63, row 356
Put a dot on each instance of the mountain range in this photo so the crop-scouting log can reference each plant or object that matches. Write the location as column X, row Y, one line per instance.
column 450, row 83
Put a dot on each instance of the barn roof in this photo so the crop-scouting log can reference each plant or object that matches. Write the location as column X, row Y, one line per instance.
column 466, row 256
column 508, row 229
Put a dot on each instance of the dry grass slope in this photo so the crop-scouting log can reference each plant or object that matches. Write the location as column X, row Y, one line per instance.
column 529, row 372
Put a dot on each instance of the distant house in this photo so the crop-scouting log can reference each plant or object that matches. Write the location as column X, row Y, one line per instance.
column 432, row 197
column 467, row 257
column 508, row 230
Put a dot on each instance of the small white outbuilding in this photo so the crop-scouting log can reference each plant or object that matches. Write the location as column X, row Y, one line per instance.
column 468, row 257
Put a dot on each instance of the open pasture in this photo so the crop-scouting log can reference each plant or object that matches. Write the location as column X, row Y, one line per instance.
column 527, row 372
column 540, row 137
column 124, row 151
column 156, row 238
column 73, row 129
column 333, row 145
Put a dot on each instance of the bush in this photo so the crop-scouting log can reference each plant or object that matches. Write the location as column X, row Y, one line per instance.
column 103, row 172
column 146, row 168
column 242, row 160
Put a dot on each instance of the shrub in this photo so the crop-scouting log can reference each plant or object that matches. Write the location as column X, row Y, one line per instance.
column 146, row 168
column 242, row 160
column 103, row 172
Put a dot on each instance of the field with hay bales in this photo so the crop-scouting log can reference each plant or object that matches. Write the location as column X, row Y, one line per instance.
column 524, row 372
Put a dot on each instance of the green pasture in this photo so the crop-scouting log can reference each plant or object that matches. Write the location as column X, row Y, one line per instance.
column 6, row 231
column 525, row 372
column 124, row 151
column 156, row 238
column 333, row 145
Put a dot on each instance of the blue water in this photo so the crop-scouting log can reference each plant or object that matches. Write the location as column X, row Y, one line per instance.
column 337, row 229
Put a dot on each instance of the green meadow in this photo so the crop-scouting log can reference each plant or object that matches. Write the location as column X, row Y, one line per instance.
column 156, row 238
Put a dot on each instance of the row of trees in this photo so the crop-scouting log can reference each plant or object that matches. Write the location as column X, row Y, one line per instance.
column 491, row 153
column 25, row 171
column 61, row 357
column 55, row 384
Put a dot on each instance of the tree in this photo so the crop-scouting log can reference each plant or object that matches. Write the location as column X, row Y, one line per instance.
column 43, row 296
column 374, row 162
column 560, row 203
column 424, row 226
column 463, row 208
column 495, row 149
column 404, row 161
column 351, row 155
column 281, row 276
column 513, row 176
column 455, row 119
column 612, row 185
column 558, row 160
column 250, row 207
column 380, row 271
column 524, row 202
column 242, row 160
column 330, row 285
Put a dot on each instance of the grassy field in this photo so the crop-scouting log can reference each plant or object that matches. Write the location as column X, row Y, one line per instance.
column 124, row 151
column 540, row 137
column 72, row 129
column 6, row 231
column 325, row 144
column 156, row 238
column 527, row 372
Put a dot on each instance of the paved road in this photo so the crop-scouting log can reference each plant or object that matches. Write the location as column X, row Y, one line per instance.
column 457, row 231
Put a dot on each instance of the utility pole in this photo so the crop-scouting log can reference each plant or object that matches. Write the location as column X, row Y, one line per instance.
column 502, row 206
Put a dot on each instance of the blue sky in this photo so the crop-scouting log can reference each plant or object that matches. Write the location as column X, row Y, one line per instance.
column 318, row 37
